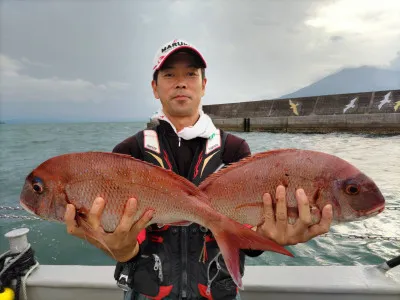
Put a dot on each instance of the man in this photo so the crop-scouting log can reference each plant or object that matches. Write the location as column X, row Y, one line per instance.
column 183, row 262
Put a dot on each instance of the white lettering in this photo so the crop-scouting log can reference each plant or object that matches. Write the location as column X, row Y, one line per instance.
column 151, row 141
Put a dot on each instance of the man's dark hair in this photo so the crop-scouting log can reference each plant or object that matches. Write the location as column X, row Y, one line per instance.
column 203, row 74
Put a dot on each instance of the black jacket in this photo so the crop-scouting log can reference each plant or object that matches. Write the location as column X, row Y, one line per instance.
column 182, row 253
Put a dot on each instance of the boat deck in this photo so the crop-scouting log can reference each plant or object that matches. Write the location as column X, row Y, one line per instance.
column 260, row 282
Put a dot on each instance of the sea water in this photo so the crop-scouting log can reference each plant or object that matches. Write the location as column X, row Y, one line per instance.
column 24, row 146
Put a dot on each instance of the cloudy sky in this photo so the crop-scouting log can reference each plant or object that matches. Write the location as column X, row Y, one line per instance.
column 92, row 59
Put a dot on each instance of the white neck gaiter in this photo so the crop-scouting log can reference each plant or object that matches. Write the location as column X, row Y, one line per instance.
column 204, row 126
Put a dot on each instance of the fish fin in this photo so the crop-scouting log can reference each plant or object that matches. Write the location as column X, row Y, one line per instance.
column 90, row 232
column 189, row 187
column 231, row 259
column 182, row 183
column 232, row 236
column 214, row 176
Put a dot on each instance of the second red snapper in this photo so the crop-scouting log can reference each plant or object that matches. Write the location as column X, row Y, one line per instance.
column 236, row 191
column 79, row 178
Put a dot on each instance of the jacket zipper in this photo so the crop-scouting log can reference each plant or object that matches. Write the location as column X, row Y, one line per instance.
column 158, row 266
column 184, row 263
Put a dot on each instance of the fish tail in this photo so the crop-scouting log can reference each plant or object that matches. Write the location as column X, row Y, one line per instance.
column 91, row 233
column 232, row 236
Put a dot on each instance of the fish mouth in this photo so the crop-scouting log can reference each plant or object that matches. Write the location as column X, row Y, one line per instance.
column 362, row 215
column 374, row 211
column 27, row 208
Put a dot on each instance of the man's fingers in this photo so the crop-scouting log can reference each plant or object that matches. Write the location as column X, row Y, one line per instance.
column 324, row 224
column 269, row 217
column 142, row 222
column 127, row 219
column 304, row 208
column 69, row 216
column 281, row 210
column 69, row 220
column 95, row 212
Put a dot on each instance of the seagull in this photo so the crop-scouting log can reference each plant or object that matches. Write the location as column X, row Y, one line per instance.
column 397, row 105
column 294, row 107
column 384, row 101
column 350, row 105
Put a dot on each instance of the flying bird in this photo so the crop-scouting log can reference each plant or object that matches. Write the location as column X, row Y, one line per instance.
column 397, row 105
column 350, row 105
column 384, row 101
column 294, row 107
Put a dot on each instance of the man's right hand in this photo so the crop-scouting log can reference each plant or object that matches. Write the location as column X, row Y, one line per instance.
column 123, row 241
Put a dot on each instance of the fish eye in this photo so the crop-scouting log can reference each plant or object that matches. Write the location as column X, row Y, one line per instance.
column 352, row 189
column 37, row 185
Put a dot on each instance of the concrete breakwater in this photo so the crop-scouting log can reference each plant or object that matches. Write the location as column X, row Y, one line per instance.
column 367, row 112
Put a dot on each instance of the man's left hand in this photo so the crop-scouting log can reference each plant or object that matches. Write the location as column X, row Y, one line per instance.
column 277, row 228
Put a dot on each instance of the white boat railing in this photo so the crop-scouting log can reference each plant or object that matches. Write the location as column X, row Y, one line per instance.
column 65, row 282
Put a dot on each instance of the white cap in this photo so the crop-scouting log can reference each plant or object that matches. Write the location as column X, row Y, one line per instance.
column 171, row 47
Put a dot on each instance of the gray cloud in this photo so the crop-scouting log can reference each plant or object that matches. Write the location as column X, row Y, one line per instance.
column 336, row 38
column 52, row 88
column 87, row 55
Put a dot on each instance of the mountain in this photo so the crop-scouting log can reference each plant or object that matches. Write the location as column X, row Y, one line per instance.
column 351, row 80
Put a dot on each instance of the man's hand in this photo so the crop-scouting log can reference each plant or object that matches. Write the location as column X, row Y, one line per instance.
column 277, row 228
column 123, row 241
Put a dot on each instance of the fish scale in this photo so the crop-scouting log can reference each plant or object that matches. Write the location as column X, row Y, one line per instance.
column 79, row 178
column 323, row 177
column 104, row 184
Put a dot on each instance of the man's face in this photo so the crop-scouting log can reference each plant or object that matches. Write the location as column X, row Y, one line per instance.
column 180, row 86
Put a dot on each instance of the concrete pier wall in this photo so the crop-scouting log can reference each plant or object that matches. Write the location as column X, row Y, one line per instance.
column 371, row 112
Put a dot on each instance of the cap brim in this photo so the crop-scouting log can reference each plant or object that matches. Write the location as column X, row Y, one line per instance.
column 184, row 47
